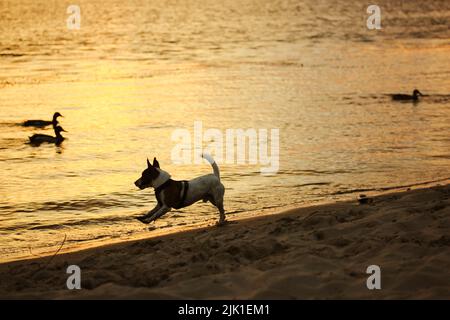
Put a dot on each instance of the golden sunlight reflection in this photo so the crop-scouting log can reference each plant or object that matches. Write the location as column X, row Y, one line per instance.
column 130, row 77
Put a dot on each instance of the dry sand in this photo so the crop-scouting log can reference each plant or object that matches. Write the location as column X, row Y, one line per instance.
column 308, row 253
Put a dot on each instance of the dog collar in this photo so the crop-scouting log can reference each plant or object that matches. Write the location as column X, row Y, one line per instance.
column 163, row 177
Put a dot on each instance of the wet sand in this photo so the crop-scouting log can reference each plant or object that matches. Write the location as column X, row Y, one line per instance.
column 318, row 252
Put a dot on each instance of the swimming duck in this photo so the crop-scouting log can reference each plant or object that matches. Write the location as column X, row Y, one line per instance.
column 43, row 123
column 40, row 138
column 413, row 97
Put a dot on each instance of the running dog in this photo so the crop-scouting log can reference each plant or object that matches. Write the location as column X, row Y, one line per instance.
column 179, row 194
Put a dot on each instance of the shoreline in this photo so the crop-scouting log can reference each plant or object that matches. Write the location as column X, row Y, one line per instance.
column 155, row 232
column 319, row 251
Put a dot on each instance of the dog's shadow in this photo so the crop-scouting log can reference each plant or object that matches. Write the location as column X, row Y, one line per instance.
column 226, row 223
column 223, row 224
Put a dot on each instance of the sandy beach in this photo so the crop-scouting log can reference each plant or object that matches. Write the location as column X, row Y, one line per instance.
column 318, row 252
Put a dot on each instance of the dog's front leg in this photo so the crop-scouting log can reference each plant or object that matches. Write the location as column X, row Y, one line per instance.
column 162, row 211
column 149, row 214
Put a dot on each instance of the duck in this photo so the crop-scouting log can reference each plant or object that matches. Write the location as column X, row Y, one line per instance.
column 405, row 97
column 43, row 123
column 37, row 139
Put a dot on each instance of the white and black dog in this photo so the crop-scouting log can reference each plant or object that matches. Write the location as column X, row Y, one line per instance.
column 179, row 194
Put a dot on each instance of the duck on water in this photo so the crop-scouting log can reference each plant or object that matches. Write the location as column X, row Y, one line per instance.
column 407, row 97
column 43, row 123
column 37, row 139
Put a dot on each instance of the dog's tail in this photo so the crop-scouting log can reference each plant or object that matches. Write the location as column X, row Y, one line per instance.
column 213, row 164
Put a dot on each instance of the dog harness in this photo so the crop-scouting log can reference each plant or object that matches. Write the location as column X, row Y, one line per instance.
column 183, row 193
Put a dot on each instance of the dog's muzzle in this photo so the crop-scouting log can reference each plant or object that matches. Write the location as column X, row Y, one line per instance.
column 142, row 185
column 138, row 183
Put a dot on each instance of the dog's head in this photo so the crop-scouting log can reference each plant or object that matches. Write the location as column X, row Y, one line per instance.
column 151, row 177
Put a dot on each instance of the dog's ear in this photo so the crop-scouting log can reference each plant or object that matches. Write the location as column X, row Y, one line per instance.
column 155, row 163
column 148, row 164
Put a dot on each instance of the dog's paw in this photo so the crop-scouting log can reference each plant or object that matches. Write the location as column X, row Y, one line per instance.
column 221, row 223
column 142, row 219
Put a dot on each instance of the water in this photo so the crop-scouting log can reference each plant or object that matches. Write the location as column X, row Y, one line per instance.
column 138, row 70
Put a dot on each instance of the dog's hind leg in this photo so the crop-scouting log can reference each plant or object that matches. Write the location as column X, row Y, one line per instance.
column 222, row 213
column 210, row 199
column 218, row 205
column 218, row 202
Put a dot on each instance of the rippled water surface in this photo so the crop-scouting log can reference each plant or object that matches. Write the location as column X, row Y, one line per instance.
column 138, row 70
